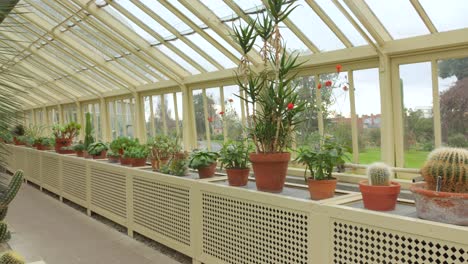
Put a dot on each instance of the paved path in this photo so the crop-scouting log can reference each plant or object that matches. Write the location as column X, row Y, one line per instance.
column 46, row 229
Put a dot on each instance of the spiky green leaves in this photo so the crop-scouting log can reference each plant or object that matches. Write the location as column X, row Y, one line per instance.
column 245, row 36
column 279, row 10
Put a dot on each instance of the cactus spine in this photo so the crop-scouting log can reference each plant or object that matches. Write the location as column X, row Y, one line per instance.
column 4, row 233
column 12, row 190
column 379, row 174
column 88, row 131
column 11, row 257
column 452, row 165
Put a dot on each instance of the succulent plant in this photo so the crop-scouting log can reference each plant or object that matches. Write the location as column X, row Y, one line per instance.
column 452, row 165
column 4, row 233
column 379, row 174
column 11, row 257
column 89, row 139
column 12, row 190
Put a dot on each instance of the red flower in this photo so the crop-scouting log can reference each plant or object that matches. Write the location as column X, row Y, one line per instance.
column 290, row 106
column 345, row 88
column 221, row 113
column 231, row 100
column 319, row 86
column 338, row 68
column 210, row 119
column 328, row 83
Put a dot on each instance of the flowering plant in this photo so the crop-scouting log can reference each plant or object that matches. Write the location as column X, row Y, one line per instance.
column 270, row 96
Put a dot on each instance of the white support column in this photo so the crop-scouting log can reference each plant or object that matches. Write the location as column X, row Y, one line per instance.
column 354, row 118
column 176, row 112
column 61, row 115
column 387, row 136
column 152, row 124
column 163, row 113
column 79, row 119
column 139, row 130
column 207, row 123
column 318, row 96
column 223, row 108
column 188, row 124
column 436, row 105
column 104, row 120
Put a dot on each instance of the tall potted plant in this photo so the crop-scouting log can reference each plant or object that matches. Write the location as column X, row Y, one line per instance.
column 64, row 136
column 443, row 196
column 270, row 95
column 234, row 156
column 321, row 163
column 89, row 139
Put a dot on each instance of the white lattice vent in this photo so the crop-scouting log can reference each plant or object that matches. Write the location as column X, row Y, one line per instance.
column 163, row 208
column 74, row 179
column 108, row 191
column 239, row 231
column 356, row 243
column 50, row 171
column 33, row 166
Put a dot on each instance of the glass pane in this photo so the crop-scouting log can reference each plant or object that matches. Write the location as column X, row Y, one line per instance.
column 416, row 86
column 186, row 12
column 366, row 87
column 232, row 112
column 221, row 9
column 112, row 120
column 165, row 14
column 211, row 50
column 180, row 111
column 200, row 118
column 215, row 121
column 453, row 89
column 158, row 116
column 177, row 59
column 146, row 103
column 193, row 55
column 346, row 8
column 446, row 15
column 307, row 131
column 170, row 114
column 399, row 17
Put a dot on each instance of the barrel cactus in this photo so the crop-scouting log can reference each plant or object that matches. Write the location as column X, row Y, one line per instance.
column 11, row 257
column 4, row 233
column 379, row 174
column 452, row 165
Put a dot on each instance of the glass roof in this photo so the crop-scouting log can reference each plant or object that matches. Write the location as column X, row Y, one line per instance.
column 117, row 44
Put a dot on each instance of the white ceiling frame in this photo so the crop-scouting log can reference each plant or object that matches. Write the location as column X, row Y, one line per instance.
column 21, row 89
column 423, row 15
column 153, row 33
column 171, row 70
column 176, row 33
column 330, row 23
column 368, row 19
column 201, row 32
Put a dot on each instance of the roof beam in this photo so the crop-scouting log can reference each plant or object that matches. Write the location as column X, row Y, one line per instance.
column 368, row 19
column 425, row 18
column 176, row 33
column 330, row 23
column 170, row 68
column 214, row 23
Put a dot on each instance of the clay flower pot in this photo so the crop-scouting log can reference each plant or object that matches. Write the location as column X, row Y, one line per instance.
column 42, row 147
column 17, row 142
column 100, row 156
column 80, row 153
column 138, row 162
column 270, row 170
column 125, row 161
column 238, row 177
column 445, row 207
column 86, row 155
column 61, row 142
column 321, row 189
column 207, row 172
column 112, row 159
column 379, row 198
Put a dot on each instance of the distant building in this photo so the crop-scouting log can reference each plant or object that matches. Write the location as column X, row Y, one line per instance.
column 426, row 110
column 365, row 121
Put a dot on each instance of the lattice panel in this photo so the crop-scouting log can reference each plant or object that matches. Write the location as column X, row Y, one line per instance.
column 50, row 171
column 33, row 168
column 356, row 243
column 163, row 208
column 240, row 231
column 108, row 191
column 74, row 179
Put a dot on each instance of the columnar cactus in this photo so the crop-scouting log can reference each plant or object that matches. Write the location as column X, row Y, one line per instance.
column 3, row 213
column 13, row 188
column 4, row 233
column 379, row 174
column 11, row 257
column 452, row 165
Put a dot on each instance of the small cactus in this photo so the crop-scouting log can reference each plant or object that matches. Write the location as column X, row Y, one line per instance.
column 452, row 165
column 4, row 233
column 11, row 257
column 379, row 174
column 12, row 190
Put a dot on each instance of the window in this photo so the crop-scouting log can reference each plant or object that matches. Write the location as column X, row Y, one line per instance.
column 121, row 117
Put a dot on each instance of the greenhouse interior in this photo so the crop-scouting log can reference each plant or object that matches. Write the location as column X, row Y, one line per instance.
column 233, row 131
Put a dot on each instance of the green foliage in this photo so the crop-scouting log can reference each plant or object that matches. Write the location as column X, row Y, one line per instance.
column 68, row 131
column 235, row 154
column 6, row 136
column 110, row 153
column 322, row 160
column 453, row 111
column 13, row 188
column 202, row 158
column 451, row 67
column 46, row 141
column 178, row 165
column 96, row 148
column 123, row 143
column 18, row 131
column 418, row 129
column 79, row 147
column 89, row 139
column 458, row 141
column 163, row 147
column 452, row 165
column 4, row 233
column 378, row 174
column 136, row 152
column 11, row 257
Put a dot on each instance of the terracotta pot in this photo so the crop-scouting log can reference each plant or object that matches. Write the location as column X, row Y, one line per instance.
column 321, row 189
column 100, row 156
column 125, row 161
column 42, row 147
column 113, row 159
column 86, row 155
column 121, row 152
column 138, row 162
column 445, row 207
column 62, row 142
column 238, row 177
column 17, row 142
column 80, row 153
column 270, row 170
column 207, row 172
column 379, row 198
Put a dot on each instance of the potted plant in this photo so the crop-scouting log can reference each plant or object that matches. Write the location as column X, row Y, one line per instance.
column 204, row 161
column 137, row 154
column 443, row 196
column 177, row 165
column 64, row 136
column 124, row 145
column 321, row 163
column 97, row 150
column 18, row 135
column 270, row 95
column 119, row 144
column 162, row 148
column 89, row 139
column 45, row 143
column 234, row 157
column 378, row 192
column 79, row 149
column 6, row 137
column 113, row 157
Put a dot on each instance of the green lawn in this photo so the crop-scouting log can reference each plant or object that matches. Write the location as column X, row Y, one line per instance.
column 413, row 158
